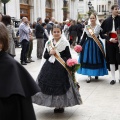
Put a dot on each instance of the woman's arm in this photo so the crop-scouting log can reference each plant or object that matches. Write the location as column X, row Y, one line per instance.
column 104, row 36
column 46, row 54
column 67, row 54
column 83, row 38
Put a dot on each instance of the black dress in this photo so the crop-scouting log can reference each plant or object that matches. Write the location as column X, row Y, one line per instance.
column 56, row 86
column 16, row 89
column 53, row 78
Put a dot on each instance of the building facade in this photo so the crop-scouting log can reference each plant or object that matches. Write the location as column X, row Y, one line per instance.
column 119, row 3
column 59, row 9
column 101, row 7
column 41, row 8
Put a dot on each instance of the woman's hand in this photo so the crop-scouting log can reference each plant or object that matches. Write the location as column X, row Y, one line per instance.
column 52, row 52
column 119, row 45
column 113, row 40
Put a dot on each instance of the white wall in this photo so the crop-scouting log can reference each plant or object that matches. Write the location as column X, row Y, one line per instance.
column 58, row 12
column 13, row 8
column 37, row 9
column 73, row 6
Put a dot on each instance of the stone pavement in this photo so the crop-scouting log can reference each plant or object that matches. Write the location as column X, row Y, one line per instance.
column 100, row 99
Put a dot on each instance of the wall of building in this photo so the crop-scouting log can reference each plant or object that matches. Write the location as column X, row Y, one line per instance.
column 38, row 8
column 73, row 9
column 13, row 8
column 119, row 3
column 99, row 7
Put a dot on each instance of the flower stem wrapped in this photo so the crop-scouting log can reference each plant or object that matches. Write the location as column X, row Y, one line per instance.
column 73, row 66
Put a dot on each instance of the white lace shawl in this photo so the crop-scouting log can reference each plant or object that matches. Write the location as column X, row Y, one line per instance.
column 60, row 46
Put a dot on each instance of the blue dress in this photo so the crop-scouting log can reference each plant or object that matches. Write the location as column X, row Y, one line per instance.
column 91, row 58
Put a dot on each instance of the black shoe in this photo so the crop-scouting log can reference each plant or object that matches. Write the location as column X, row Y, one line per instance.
column 88, row 81
column 27, row 61
column 96, row 77
column 112, row 82
column 61, row 110
column 23, row 63
column 58, row 110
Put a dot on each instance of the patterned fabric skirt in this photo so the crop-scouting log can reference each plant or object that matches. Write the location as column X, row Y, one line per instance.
column 70, row 98
column 91, row 60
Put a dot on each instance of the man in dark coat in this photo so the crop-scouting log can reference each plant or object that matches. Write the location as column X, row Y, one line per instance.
column 110, row 25
column 79, row 31
column 73, row 33
column 39, row 32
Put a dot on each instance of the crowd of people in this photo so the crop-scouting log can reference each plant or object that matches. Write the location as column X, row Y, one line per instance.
column 54, row 83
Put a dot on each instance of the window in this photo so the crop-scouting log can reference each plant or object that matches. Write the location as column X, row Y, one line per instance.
column 99, row 8
column 103, row 8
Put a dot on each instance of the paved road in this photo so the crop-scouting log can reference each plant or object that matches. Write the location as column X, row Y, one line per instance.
column 101, row 101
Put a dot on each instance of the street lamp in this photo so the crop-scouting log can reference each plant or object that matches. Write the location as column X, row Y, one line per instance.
column 89, row 5
column 91, row 8
column 4, row 2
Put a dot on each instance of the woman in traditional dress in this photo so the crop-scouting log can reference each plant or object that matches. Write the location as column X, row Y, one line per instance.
column 57, row 87
column 92, row 57
column 16, row 85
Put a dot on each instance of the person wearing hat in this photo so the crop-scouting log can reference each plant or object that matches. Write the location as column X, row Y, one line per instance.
column 39, row 33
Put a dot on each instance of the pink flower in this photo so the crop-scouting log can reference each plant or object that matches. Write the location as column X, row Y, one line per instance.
column 78, row 48
column 71, row 62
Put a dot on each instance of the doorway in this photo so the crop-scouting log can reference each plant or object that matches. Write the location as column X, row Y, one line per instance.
column 49, row 9
column 24, row 11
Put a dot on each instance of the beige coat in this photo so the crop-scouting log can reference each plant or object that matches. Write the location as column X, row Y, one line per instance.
column 11, row 49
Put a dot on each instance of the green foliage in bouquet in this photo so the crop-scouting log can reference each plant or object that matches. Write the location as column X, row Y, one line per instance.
column 73, row 69
column 73, row 66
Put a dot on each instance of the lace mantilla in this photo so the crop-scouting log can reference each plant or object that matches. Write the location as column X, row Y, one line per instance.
column 96, row 30
column 60, row 45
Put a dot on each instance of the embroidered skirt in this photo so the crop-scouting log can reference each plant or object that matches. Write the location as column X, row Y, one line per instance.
column 92, row 60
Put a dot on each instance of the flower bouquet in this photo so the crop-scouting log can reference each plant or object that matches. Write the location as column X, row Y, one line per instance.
column 78, row 48
column 73, row 66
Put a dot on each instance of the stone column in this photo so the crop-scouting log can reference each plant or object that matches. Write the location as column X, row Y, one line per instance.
column 42, row 9
column 73, row 9
column 35, row 10
column 60, row 11
column 13, row 11
column 56, row 8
